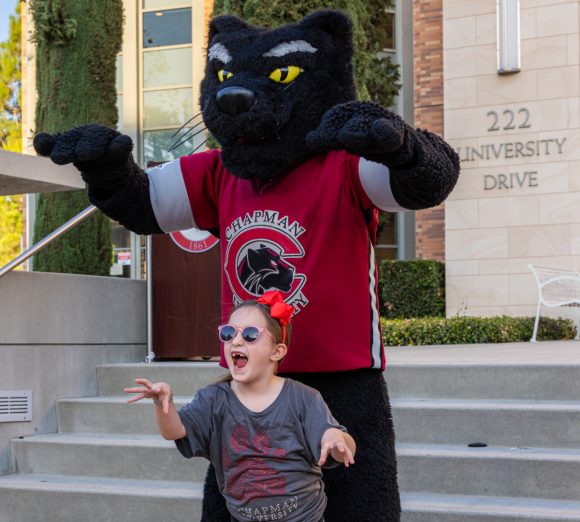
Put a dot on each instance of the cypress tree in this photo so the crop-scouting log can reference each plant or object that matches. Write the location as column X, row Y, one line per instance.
column 77, row 43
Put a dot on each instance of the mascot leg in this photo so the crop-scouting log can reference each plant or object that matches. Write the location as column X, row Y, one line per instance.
column 214, row 505
column 367, row 490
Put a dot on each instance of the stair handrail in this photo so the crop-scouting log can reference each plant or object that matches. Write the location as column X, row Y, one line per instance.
column 43, row 243
column 71, row 223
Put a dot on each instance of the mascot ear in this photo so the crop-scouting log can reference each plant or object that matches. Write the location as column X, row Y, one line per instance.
column 336, row 23
column 225, row 24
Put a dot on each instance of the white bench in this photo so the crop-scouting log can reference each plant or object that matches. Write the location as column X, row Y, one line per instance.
column 556, row 287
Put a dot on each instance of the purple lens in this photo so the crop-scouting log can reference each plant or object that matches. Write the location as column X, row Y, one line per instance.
column 250, row 334
column 227, row 333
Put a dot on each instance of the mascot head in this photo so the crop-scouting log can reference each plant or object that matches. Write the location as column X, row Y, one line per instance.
column 265, row 90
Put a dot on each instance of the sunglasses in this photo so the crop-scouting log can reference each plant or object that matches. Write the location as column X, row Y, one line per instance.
column 250, row 334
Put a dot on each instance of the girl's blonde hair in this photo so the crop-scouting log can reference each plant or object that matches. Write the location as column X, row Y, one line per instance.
column 273, row 326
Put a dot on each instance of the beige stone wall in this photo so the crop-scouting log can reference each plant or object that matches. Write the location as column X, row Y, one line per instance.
column 518, row 198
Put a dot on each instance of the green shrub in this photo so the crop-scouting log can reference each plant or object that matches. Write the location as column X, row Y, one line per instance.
column 412, row 289
column 468, row 330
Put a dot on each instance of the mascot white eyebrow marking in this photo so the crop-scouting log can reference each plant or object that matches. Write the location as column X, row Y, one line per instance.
column 295, row 46
column 219, row 52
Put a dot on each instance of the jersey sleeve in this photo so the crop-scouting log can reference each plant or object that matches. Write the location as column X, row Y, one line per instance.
column 369, row 184
column 197, row 420
column 375, row 181
column 317, row 420
column 183, row 192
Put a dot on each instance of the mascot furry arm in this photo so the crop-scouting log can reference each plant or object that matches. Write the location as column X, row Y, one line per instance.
column 421, row 168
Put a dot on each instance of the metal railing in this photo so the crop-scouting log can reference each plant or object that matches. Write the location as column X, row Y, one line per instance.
column 43, row 243
column 79, row 218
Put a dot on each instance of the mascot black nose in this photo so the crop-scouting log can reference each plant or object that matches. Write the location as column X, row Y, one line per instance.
column 235, row 100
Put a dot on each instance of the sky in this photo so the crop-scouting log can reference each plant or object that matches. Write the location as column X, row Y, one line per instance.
column 7, row 7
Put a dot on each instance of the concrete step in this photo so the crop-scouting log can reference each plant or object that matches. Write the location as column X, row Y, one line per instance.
column 109, row 415
column 148, row 457
column 499, row 471
column 185, row 377
column 405, row 379
column 545, row 371
column 519, row 472
column 542, row 424
column 425, row 507
column 483, row 381
column 54, row 498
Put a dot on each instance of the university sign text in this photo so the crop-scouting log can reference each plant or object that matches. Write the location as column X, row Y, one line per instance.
column 511, row 119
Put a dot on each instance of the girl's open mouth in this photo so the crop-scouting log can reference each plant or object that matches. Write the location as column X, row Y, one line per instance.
column 239, row 359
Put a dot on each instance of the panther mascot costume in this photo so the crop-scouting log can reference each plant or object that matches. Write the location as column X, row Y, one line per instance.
column 293, row 194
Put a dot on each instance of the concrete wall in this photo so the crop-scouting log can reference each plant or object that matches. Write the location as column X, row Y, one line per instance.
column 518, row 136
column 54, row 330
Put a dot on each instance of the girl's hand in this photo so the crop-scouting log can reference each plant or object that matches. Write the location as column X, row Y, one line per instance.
column 160, row 392
column 334, row 443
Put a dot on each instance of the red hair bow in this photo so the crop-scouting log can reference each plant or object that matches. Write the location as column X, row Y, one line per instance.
column 278, row 308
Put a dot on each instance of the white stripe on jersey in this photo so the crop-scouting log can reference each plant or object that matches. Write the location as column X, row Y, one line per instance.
column 376, row 182
column 169, row 197
column 375, row 330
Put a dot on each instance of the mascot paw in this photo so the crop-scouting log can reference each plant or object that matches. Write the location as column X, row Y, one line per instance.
column 94, row 149
column 43, row 143
column 361, row 128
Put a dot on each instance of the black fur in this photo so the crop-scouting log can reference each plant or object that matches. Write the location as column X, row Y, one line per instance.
column 267, row 128
column 116, row 184
column 423, row 168
column 130, row 204
column 268, row 139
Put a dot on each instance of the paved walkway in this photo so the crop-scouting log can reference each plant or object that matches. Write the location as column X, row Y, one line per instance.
column 543, row 352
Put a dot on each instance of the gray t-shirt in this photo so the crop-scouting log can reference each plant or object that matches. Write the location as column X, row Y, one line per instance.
column 266, row 462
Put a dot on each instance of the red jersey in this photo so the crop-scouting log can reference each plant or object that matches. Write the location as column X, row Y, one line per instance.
column 311, row 235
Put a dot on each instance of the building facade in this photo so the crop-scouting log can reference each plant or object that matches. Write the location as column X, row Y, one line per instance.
column 512, row 111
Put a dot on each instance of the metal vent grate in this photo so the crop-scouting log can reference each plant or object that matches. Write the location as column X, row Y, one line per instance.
column 15, row 406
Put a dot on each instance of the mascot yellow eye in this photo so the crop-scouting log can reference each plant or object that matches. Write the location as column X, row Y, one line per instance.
column 285, row 74
column 224, row 75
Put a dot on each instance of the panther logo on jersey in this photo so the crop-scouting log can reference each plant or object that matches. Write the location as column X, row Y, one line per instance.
column 259, row 257
column 262, row 268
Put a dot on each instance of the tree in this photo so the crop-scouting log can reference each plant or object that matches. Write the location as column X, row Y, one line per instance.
column 10, row 136
column 77, row 44
column 383, row 76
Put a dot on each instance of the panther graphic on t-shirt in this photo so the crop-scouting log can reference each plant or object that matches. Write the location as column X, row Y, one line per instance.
column 252, row 477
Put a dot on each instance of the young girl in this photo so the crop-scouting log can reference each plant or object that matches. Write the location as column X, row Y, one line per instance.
column 266, row 436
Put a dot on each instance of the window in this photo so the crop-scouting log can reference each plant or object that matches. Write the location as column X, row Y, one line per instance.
column 387, row 247
column 167, row 81
column 164, row 4
column 167, row 67
column 162, row 28
column 387, row 41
